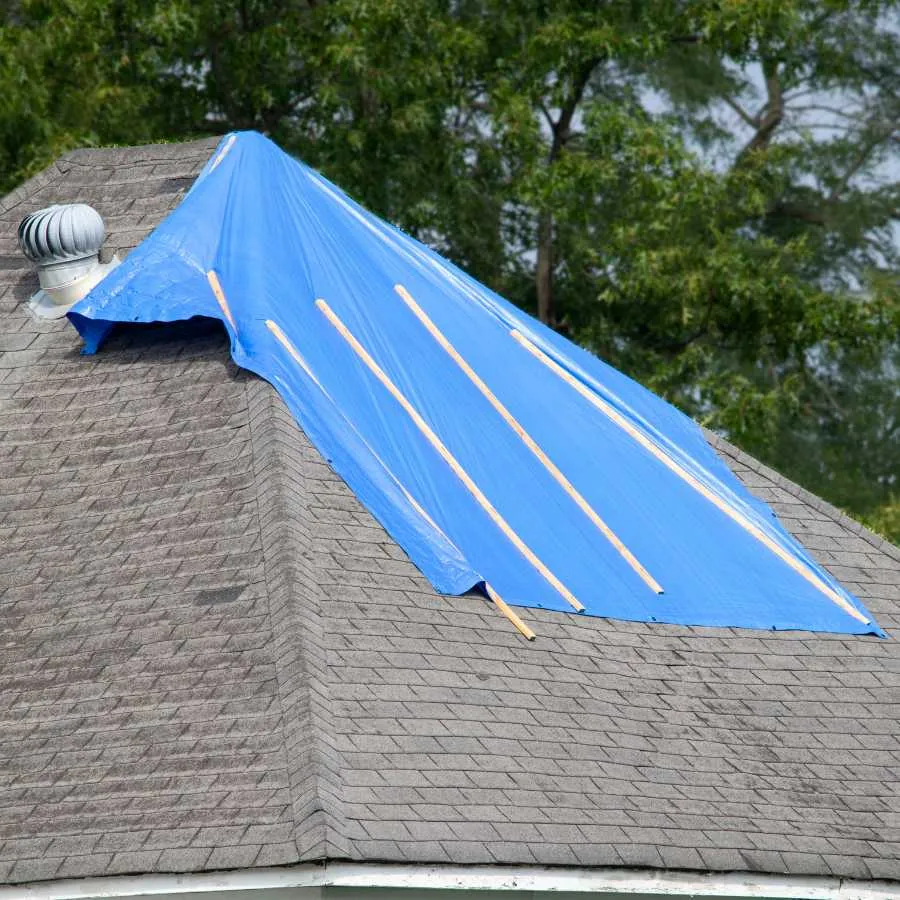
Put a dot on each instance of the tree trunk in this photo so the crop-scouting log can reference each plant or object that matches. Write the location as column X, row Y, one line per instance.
column 561, row 134
column 544, row 273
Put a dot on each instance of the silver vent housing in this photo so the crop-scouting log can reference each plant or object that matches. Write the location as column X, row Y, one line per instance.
column 63, row 241
column 62, row 233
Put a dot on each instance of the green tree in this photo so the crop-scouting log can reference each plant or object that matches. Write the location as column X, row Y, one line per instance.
column 705, row 193
column 72, row 73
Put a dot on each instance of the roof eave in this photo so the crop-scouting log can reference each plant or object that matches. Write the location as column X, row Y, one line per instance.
column 539, row 880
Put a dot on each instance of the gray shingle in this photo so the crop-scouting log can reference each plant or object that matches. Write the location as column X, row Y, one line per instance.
column 118, row 525
column 213, row 657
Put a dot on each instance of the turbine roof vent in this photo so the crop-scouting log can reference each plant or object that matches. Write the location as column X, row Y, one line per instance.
column 62, row 233
column 64, row 241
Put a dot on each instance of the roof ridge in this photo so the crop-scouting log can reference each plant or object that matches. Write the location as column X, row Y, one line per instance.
column 295, row 597
column 31, row 186
column 164, row 151
column 801, row 493
column 81, row 156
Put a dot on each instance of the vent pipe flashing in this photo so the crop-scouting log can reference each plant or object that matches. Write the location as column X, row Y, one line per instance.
column 63, row 241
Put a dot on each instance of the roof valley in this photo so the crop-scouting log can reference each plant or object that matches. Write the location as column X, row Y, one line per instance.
column 295, row 598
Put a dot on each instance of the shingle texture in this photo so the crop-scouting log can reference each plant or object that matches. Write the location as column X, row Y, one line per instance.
column 213, row 657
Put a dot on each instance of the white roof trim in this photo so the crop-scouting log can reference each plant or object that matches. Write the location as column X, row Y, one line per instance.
column 497, row 878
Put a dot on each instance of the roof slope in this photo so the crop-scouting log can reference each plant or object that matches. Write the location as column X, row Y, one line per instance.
column 213, row 657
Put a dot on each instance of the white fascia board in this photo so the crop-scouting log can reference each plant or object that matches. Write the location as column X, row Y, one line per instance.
column 659, row 883
column 645, row 882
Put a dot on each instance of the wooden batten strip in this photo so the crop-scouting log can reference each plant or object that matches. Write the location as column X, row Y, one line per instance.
column 223, row 152
column 295, row 354
column 447, row 456
column 286, row 342
column 509, row 612
column 213, row 280
column 529, row 442
column 673, row 465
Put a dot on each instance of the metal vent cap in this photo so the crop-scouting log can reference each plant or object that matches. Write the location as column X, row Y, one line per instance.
column 63, row 241
column 62, row 234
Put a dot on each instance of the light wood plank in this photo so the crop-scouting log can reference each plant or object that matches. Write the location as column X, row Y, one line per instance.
column 213, row 280
column 295, row 354
column 508, row 611
column 529, row 442
column 673, row 465
column 448, row 457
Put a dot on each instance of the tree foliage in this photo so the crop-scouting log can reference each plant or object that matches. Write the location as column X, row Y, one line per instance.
column 704, row 192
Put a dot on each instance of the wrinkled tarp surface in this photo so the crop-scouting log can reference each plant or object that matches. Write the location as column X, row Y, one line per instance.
column 278, row 236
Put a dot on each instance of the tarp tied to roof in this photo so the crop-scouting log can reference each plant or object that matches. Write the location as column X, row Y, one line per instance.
column 492, row 449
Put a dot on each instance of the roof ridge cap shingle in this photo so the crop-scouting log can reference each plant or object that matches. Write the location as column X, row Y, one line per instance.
column 801, row 493
column 31, row 186
column 162, row 151
column 294, row 598
column 84, row 157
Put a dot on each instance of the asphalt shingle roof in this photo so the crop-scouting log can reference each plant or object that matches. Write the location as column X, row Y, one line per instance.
column 213, row 657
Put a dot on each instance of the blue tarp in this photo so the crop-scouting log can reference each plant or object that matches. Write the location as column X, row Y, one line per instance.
column 483, row 504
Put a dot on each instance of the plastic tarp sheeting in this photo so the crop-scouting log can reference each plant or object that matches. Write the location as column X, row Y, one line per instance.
column 490, row 448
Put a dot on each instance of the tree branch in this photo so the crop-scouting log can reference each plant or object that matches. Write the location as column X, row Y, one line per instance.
column 547, row 116
column 747, row 118
column 802, row 213
column 771, row 115
column 860, row 160
column 831, row 110
column 561, row 128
